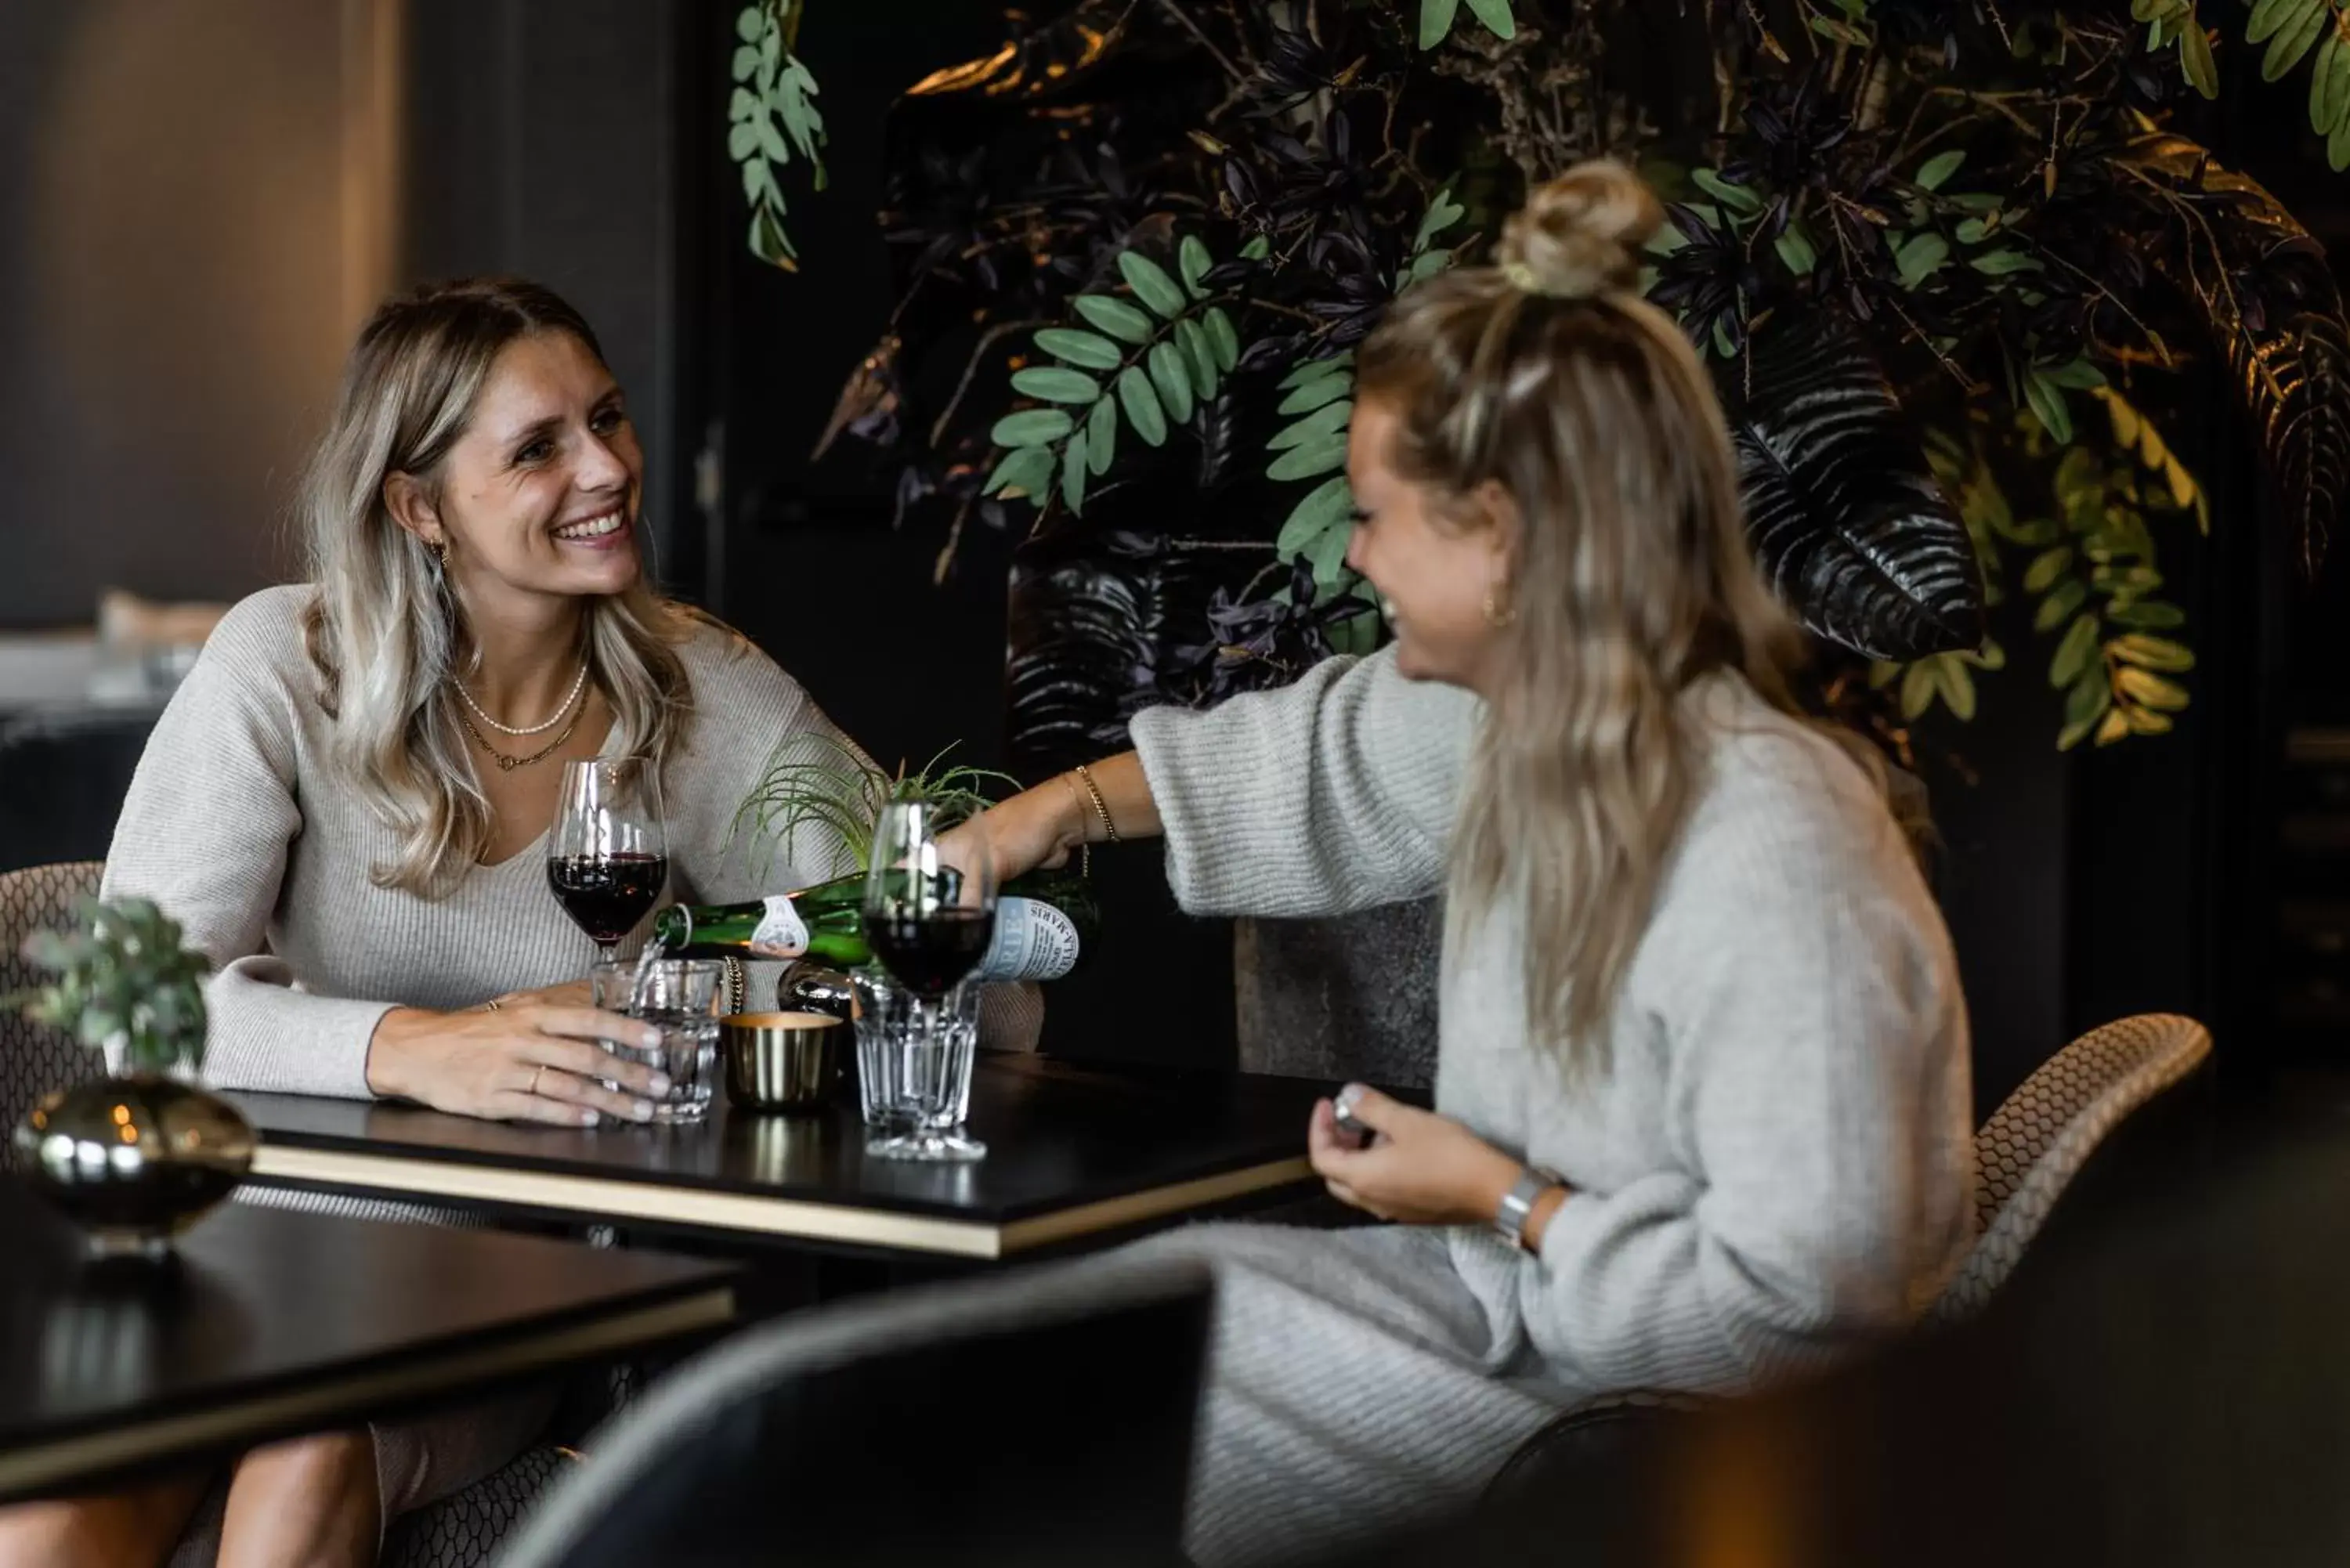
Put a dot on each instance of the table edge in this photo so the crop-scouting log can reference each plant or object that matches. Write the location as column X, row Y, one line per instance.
column 607, row 1198
column 418, row 1375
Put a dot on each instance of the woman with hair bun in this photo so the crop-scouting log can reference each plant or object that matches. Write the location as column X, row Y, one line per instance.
column 1702, row 1109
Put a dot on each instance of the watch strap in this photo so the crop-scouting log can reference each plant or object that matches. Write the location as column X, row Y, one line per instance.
column 1518, row 1203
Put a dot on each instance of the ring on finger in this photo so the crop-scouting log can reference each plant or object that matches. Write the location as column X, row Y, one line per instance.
column 537, row 1072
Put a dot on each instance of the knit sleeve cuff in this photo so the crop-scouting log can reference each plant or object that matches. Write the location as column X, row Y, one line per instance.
column 268, row 1035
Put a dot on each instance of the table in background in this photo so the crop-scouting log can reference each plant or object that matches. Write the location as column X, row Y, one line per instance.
column 1076, row 1154
column 271, row 1323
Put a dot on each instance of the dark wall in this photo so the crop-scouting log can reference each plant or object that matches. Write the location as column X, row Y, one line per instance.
column 542, row 139
column 809, row 562
column 187, row 208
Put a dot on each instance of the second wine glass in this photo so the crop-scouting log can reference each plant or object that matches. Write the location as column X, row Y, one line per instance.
column 929, row 923
column 608, row 855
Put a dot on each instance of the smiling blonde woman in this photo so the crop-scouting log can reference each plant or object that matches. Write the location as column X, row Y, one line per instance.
column 1703, row 1095
column 345, row 807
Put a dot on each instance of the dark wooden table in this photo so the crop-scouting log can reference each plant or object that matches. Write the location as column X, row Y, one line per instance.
column 270, row 1323
column 1076, row 1154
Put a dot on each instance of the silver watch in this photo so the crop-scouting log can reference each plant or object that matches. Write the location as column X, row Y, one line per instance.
column 1518, row 1202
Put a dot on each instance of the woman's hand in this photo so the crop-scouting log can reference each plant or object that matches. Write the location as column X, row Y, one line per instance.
column 532, row 1057
column 1422, row 1169
column 1039, row 826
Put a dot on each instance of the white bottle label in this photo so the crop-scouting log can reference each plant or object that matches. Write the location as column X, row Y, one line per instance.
column 781, row 934
column 1032, row 941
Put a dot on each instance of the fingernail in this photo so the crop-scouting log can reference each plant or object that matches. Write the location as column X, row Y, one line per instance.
column 661, row 1083
column 588, row 1118
column 650, row 1039
column 642, row 1110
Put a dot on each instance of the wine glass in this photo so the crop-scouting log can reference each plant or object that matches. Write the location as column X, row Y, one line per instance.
column 929, row 923
column 607, row 856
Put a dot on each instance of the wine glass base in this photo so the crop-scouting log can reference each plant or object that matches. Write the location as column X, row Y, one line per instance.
column 943, row 1147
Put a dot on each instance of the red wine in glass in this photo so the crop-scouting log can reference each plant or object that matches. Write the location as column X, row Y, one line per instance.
column 607, row 853
column 606, row 895
column 930, row 952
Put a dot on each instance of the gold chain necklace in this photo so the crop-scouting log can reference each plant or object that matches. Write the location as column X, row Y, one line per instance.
column 507, row 764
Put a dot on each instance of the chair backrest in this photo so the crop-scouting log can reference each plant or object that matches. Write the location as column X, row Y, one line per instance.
column 1039, row 1418
column 63, row 777
column 2041, row 1137
column 34, row 1060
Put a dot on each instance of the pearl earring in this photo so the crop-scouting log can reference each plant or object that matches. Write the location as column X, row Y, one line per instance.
column 1497, row 614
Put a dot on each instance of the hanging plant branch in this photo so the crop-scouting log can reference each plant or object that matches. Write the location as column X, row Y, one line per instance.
column 771, row 112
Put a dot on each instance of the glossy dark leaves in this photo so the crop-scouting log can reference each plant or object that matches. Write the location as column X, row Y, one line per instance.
column 2271, row 307
column 1851, row 527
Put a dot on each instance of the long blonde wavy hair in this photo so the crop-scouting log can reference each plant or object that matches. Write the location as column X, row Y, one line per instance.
column 1632, row 579
column 386, row 632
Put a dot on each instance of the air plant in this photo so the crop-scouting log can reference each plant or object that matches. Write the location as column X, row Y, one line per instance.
column 816, row 781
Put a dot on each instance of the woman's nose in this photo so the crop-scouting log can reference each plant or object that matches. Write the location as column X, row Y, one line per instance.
column 600, row 467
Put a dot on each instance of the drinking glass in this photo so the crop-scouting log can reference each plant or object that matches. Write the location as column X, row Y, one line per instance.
column 681, row 998
column 913, row 1067
column 928, row 923
column 607, row 854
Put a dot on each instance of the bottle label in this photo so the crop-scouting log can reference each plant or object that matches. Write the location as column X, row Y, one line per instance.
column 781, row 933
column 1034, row 941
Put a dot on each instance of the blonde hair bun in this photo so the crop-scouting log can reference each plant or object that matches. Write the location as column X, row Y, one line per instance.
column 1580, row 234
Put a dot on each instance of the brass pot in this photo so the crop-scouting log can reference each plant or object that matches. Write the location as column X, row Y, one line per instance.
column 134, row 1160
column 783, row 1060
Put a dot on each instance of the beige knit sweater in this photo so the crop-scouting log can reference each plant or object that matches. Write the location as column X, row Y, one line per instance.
column 238, row 827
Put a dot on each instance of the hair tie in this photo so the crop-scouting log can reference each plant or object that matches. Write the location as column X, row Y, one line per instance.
column 1520, row 276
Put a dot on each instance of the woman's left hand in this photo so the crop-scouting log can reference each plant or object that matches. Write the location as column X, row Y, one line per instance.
column 1423, row 1168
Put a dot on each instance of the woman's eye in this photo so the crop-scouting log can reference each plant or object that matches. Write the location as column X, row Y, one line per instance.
column 608, row 420
column 536, row 452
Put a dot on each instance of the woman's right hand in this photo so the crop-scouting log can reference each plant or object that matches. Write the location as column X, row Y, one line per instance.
column 527, row 1059
column 1037, row 827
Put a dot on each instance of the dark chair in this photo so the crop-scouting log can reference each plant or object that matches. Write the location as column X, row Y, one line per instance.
column 34, row 1060
column 1037, row 1419
column 2027, row 1156
column 63, row 776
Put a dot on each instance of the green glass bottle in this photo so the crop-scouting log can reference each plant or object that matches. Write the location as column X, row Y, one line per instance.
column 1042, row 923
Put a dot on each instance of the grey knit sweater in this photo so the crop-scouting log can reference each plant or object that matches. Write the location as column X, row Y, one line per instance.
column 238, row 827
column 1771, row 1162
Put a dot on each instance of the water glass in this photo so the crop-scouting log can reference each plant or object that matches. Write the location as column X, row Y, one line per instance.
column 681, row 997
column 913, row 1068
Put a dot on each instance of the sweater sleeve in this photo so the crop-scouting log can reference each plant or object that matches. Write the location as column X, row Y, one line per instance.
column 1333, row 794
column 1807, row 998
column 212, row 813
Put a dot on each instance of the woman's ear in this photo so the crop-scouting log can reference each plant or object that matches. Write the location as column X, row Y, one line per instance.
column 412, row 508
column 1504, row 527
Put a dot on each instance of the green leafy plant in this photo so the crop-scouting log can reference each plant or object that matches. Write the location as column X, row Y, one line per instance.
column 1436, row 18
column 2091, row 563
column 1886, row 219
column 773, row 99
column 1156, row 358
column 816, row 780
column 123, row 981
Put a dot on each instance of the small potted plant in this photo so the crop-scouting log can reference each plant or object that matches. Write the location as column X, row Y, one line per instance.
column 136, row 1158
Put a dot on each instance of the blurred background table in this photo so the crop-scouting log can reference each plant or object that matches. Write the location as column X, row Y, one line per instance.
column 270, row 1323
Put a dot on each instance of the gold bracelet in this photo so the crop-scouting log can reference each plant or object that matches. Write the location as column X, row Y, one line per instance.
column 1101, row 806
column 1085, row 845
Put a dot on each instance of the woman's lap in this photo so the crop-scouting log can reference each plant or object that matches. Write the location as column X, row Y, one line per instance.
column 1346, row 1389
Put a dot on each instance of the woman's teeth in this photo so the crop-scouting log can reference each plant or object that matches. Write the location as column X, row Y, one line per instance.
column 594, row 528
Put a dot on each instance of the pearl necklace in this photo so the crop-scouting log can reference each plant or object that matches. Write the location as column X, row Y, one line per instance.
column 561, row 708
